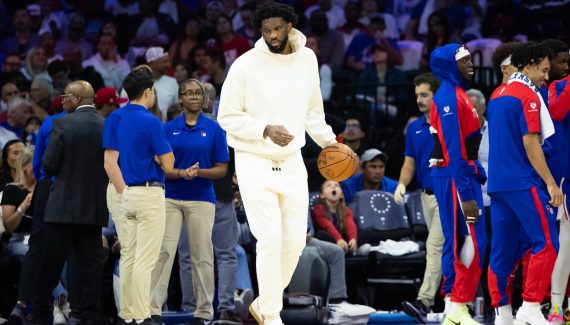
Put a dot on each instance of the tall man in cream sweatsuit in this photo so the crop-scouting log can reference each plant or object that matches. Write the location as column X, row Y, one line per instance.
column 270, row 97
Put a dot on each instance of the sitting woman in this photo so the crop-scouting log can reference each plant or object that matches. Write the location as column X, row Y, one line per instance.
column 333, row 220
column 16, row 204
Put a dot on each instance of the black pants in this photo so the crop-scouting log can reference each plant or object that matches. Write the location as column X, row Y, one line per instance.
column 32, row 260
column 85, row 240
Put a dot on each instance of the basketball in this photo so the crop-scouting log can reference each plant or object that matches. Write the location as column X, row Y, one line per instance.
column 337, row 162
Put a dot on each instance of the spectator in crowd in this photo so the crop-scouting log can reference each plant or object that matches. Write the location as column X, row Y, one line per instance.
column 333, row 219
column 196, row 66
column 36, row 63
column 59, row 74
column 73, row 58
column 503, row 20
column 325, row 71
column 191, row 199
column 358, row 53
column 35, row 12
column 47, row 41
column 188, row 38
column 150, row 27
column 215, row 67
column 371, row 177
column 231, row 10
column 12, row 62
column 233, row 45
column 419, row 146
column 31, row 130
column 353, row 26
column 373, row 8
column 23, row 38
column 16, row 204
column 143, row 193
column 353, row 135
column 108, row 62
column 213, row 10
column 107, row 100
column 334, row 255
column 74, row 37
column 119, row 8
column 19, row 110
column 166, row 86
column 438, row 34
column 181, row 73
column 11, row 152
column 51, row 19
column 8, row 92
column 335, row 14
column 331, row 43
column 74, row 152
column 247, row 30
column 41, row 95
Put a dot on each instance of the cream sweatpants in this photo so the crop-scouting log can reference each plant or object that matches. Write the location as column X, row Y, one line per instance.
column 276, row 199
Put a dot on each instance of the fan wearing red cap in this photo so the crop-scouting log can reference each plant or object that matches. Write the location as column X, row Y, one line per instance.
column 107, row 100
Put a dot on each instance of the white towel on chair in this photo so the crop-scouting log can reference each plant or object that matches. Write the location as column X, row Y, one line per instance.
column 396, row 248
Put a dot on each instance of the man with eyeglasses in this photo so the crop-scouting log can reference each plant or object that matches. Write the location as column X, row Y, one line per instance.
column 76, row 209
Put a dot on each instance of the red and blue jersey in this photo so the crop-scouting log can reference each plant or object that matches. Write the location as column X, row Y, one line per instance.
column 559, row 99
column 455, row 119
column 559, row 105
column 513, row 112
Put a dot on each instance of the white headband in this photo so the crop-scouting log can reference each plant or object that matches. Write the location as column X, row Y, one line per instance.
column 461, row 53
column 506, row 61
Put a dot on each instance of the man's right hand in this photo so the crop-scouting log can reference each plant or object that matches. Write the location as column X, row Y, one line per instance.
column 556, row 195
column 399, row 194
column 278, row 134
column 470, row 211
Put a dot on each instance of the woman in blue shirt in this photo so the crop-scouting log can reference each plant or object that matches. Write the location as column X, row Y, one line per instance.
column 201, row 151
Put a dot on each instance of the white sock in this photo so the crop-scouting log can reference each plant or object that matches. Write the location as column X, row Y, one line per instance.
column 455, row 307
column 527, row 304
column 561, row 269
column 447, row 301
column 504, row 311
column 128, row 320
column 568, row 302
column 139, row 321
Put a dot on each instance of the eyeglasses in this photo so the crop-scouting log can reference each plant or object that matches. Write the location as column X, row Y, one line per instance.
column 190, row 93
column 64, row 96
column 352, row 126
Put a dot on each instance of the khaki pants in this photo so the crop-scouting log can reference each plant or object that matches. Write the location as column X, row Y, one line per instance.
column 198, row 216
column 146, row 208
column 275, row 196
column 434, row 245
column 125, row 233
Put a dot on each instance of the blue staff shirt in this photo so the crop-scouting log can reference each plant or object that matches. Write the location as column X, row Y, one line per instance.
column 42, row 140
column 140, row 138
column 205, row 143
column 110, row 128
column 419, row 145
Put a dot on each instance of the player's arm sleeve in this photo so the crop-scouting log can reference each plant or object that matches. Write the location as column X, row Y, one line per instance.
column 232, row 114
column 457, row 164
column 315, row 123
column 559, row 100
column 40, row 149
column 53, row 155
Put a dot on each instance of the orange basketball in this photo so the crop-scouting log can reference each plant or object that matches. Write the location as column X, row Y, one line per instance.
column 337, row 162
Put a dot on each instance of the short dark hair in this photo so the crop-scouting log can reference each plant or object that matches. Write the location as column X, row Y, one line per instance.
column 427, row 78
column 529, row 53
column 136, row 82
column 501, row 53
column 555, row 46
column 272, row 9
column 57, row 66
column 217, row 55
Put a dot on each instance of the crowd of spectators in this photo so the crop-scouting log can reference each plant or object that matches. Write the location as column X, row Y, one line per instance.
column 366, row 52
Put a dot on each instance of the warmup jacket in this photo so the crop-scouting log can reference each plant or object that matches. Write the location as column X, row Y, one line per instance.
column 455, row 122
column 263, row 88
column 559, row 106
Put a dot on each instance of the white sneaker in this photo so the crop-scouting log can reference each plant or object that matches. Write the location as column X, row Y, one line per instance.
column 245, row 299
column 58, row 316
column 531, row 315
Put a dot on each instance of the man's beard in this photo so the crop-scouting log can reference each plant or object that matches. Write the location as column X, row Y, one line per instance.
column 280, row 48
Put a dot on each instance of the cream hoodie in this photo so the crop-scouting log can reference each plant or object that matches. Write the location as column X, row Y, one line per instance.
column 263, row 88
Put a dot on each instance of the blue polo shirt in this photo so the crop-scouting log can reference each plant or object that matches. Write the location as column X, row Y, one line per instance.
column 356, row 184
column 140, row 137
column 512, row 113
column 419, row 145
column 111, row 127
column 205, row 143
column 42, row 140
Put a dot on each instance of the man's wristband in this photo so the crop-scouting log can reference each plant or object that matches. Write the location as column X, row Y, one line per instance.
column 20, row 210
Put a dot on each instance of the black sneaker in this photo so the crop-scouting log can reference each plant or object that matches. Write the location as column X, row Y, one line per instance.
column 156, row 319
column 17, row 315
column 200, row 321
column 121, row 321
column 416, row 309
column 228, row 317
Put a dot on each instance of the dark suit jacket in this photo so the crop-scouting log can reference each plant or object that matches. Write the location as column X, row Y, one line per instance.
column 75, row 156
